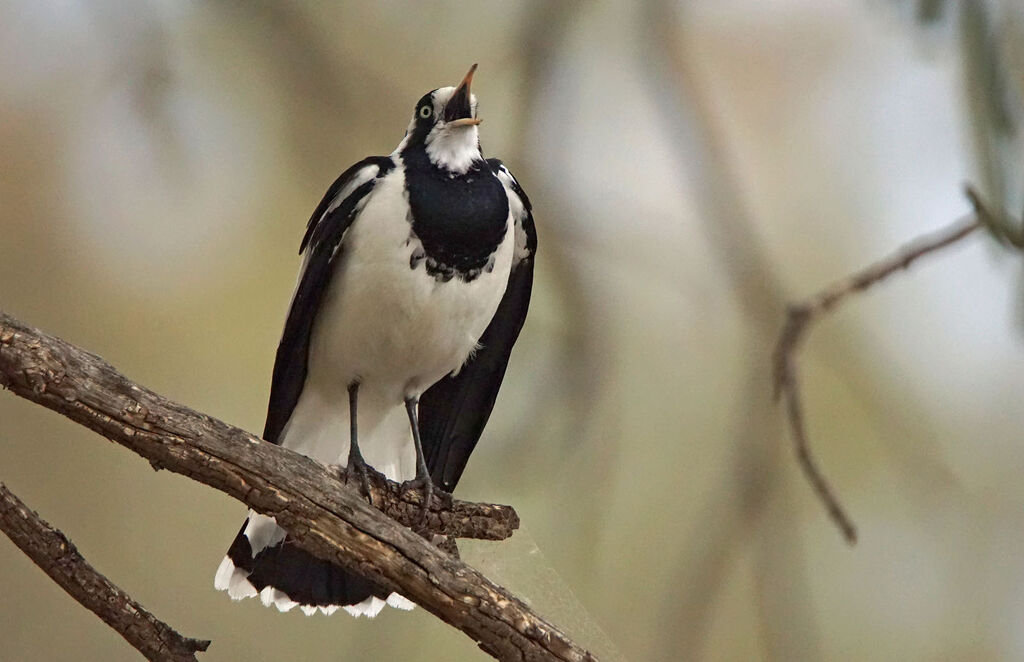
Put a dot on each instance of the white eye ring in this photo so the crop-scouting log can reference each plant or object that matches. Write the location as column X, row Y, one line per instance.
column 426, row 112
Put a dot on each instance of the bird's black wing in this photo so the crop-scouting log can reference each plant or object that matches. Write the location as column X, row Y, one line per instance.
column 322, row 246
column 454, row 411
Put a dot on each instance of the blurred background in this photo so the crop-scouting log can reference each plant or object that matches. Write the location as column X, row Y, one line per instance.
column 693, row 167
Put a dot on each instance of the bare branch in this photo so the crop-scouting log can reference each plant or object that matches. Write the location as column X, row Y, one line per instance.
column 801, row 315
column 448, row 516
column 325, row 518
column 58, row 558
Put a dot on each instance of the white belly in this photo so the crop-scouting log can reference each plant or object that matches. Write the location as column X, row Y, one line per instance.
column 394, row 329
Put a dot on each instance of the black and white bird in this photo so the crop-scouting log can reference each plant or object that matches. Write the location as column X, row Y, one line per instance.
column 414, row 285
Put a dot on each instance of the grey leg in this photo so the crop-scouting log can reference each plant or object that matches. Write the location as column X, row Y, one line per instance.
column 422, row 474
column 355, row 458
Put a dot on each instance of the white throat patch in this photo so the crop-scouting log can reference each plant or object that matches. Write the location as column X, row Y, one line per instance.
column 454, row 148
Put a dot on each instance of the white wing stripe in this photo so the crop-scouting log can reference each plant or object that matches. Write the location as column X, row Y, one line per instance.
column 363, row 175
column 515, row 205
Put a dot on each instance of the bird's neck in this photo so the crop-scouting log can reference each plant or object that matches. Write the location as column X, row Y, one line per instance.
column 455, row 152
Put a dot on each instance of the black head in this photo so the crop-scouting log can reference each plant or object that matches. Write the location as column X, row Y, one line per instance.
column 444, row 125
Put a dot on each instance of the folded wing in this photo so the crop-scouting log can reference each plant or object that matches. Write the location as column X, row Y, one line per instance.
column 454, row 411
column 322, row 245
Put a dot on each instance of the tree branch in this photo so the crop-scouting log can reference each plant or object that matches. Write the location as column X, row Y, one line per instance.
column 800, row 316
column 324, row 518
column 58, row 558
column 447, row 516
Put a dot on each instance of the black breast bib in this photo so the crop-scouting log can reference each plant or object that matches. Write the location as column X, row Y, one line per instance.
column 460, row 219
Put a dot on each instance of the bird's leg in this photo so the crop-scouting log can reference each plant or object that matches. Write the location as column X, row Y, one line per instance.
column 423, row 480
column 356, row 463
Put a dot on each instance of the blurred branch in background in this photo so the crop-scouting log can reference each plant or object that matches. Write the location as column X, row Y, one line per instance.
column 993, row 123
column 1005, row 228
column 331, row 522
column 995, row 106
column 800, row 316
column 584, row 347
column 318, row 87
column 700, row 142
column 57, row 557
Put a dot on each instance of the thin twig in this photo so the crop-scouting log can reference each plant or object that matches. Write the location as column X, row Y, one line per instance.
column 324, row 517
column 801, row 315
column 57, row 557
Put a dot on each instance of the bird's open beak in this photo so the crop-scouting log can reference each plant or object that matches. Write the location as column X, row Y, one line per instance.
column 459, row 110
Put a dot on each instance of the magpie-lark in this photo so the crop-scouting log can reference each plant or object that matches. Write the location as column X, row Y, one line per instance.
column 414, row 284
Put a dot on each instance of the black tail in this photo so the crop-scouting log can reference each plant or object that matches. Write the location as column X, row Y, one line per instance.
column 302, row 578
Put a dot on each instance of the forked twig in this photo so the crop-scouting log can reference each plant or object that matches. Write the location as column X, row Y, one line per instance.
column 800, row 316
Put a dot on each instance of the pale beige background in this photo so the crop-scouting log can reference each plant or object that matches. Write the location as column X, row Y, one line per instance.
column 158, row 162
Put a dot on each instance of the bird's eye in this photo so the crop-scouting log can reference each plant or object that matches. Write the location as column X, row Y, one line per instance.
column 426, row 111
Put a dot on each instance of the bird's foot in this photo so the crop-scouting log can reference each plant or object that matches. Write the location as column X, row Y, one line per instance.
column 357, row 467
column 429, row 494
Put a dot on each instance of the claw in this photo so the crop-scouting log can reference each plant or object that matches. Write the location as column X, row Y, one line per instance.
column 356, row 465
column 425, row 486
column 423, row 479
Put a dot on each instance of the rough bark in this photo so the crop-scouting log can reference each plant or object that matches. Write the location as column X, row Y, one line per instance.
column 305, row 497
column 59, row 559
column 447, row 516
